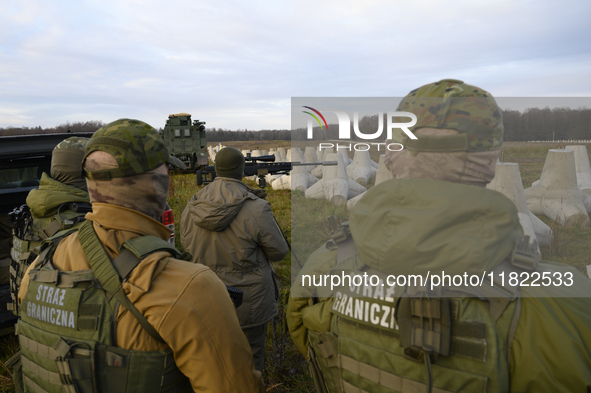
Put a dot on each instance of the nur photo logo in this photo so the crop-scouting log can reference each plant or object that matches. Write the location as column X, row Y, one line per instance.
column 344, row 130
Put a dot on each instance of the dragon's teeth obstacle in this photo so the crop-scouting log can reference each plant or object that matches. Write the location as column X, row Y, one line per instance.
column 508, row 182
column 557, row 195
column 335, row 185
column 582, row 167
column 360, row 169
column 299, row 174
column 319, row 170
column 382, row 175
column 281, row 152
column 211, row 152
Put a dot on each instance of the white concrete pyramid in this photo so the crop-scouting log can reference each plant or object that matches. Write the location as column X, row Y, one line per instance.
column 383, row 174
column 211, row 152
column 582, row 167
column 557, row 195
column 360, row 169
column 299, row 174
column 281, row 152
column 346, row 160
column 508, row 182
column 318, row 171
column 335, row 184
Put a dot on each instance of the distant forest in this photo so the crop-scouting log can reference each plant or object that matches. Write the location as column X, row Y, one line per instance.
column 533, row 124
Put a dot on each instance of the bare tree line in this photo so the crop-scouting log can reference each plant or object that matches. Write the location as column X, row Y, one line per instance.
column 529, row 125
column 88, row 126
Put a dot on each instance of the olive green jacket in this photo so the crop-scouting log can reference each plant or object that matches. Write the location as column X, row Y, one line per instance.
column 412, row 226
column 45, row 200
column 233, row 232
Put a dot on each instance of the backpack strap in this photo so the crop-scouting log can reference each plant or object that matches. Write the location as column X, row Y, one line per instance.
column 135, row 250
column 108, row 276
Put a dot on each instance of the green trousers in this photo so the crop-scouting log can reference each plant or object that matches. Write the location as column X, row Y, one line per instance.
column 257, row 337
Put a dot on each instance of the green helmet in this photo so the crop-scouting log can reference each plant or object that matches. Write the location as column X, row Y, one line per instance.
column 136, row 146
column 452, row 104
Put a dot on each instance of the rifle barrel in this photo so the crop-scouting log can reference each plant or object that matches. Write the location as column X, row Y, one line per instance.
column 315, row 163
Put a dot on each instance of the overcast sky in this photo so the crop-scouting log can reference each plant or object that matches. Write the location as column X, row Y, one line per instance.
column 236, row 64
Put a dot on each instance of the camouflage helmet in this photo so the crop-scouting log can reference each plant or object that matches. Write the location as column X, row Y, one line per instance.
column 452, row 104
column 75, row 143
column 136, row 146
column 65, row 162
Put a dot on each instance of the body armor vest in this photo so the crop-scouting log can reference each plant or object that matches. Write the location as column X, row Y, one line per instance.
column 29, row 234
column 420, row 342
column 67, row 331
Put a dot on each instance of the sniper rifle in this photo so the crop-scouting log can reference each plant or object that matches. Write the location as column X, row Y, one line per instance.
column 266, row 166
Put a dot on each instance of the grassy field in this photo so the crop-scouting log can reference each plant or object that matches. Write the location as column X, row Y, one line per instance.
column 286, row 368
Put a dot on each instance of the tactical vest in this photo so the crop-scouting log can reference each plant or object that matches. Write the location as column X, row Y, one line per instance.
column 30, row 233
column 68, row 325
column 424, row 341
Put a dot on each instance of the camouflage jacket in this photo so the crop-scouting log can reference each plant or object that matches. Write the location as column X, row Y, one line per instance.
column 412, row 226
column 232, row 231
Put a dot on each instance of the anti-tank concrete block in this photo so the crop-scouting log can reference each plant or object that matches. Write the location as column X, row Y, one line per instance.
column 543, row 232
column 281, row 152
column 508, row 182
column 336, row 182
column 282, row 183
column 582, row 167
column 360, row 169
column 299, row 174
column 557, row 195
column 355, row 188
column 319, row 171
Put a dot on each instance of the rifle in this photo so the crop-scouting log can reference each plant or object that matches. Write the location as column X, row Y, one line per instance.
column 267, row 166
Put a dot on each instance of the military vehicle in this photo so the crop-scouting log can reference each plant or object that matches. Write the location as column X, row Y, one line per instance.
column 186, row 140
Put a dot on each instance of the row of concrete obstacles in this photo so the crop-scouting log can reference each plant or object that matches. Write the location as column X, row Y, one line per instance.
column 563, row 193
column 335, row 183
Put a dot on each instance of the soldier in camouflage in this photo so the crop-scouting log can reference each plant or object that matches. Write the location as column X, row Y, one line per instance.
column 114, row 307
column 436, row 216
column 60, row 202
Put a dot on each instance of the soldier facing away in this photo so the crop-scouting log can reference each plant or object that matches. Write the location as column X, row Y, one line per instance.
column 230, row 229
column 60, row 203
column 437, row 216
column 113, row 306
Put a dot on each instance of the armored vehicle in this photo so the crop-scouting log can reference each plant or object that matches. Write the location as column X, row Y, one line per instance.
column 186, row 140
